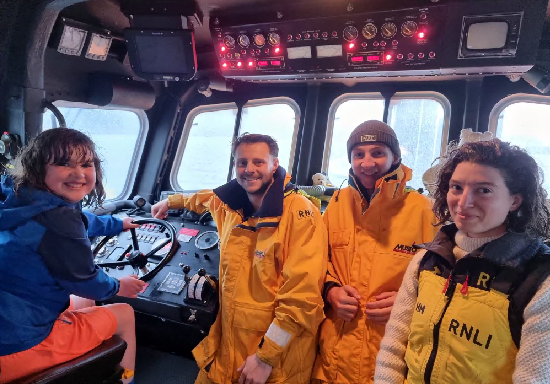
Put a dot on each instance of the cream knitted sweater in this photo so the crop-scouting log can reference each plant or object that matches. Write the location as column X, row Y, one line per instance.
column 532, row 360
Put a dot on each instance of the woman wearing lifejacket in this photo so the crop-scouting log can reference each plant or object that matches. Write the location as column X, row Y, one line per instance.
column 473, row 305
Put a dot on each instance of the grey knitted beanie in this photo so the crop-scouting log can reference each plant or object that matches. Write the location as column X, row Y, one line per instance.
column 374, row 131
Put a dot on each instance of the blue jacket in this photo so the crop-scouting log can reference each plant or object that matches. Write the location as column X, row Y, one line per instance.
column 45, row 255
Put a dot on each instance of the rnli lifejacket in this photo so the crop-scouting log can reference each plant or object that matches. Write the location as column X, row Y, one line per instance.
column 467, row 322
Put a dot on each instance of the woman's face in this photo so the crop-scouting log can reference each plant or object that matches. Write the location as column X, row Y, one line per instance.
column 479, row 200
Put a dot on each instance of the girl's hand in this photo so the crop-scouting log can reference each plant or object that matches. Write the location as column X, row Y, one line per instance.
column 128, row 222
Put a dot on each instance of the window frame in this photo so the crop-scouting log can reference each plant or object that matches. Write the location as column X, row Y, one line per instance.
column 185, row 137
column 509, row 100
column 280, row 100
column 140, row 141
column 436, row 96
column 332, row 115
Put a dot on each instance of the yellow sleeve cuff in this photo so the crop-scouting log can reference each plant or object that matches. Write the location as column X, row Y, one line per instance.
column 176, row 201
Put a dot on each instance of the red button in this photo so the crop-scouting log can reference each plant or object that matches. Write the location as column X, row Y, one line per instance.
column 289, row 37
column 383, row 43
column 410, row 56
column 395, row 42
column 298, row 36
column 306, row 36
column 432, row 55
column 325, row 34
column 420, row 55
column 315, row 35
column 364, row 44
column 399, row 56
column 376, row 43
column 334, row 34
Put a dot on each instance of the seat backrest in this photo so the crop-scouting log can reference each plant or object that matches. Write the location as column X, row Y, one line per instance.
column 100, row 365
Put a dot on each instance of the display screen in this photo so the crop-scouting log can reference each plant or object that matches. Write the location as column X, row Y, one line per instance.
column 161, row 54
column 99, row 45
column 329, row 51
column 299, row 53
column 373, row 58
column 487, row 35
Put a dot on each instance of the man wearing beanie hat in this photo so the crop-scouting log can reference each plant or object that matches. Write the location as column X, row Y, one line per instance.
column 373, row 227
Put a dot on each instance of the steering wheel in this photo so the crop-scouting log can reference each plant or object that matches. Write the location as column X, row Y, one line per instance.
column 133, row 257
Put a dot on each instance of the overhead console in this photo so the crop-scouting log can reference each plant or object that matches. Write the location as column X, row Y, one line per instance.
column 452, row 39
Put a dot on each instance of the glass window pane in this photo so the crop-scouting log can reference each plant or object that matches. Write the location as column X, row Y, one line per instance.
column 419, row 125
column 115, row 134
column 205, row 161
column 348, row 116
column 276, row 120
column 526, row 125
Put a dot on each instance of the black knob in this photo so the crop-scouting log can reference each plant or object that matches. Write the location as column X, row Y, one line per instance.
column 197, row 255
column 206, row 257
column 202, row 272
column 120, row 267
column 186, row 269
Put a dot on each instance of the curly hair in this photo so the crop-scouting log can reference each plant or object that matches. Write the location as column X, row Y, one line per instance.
column 56, row 146
column 521, row 175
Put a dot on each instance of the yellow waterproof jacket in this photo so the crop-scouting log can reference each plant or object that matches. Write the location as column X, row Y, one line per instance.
column 370, row 247
column 272, row 269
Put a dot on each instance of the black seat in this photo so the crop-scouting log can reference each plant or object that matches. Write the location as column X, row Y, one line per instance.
column 99, row 366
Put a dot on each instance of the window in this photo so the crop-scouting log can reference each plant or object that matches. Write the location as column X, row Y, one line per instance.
column 203, row 158
column 118, row 133
column 204, row 163
column 346, row 113
column 522, row 120
column 420, row 120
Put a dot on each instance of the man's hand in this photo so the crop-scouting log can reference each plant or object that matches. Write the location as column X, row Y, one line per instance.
column 345, row 301
column 379, row 311
column 130, row 286
column 254, row 371
column 160, row 209
column 128, row 222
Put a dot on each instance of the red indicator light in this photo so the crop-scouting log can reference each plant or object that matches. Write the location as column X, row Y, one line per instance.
column 250, row 63
column 224, row 65
column 277, row 50
column 263, row 63
column 276, row 63
column 421, row 35
column 357, row 59
column 223, row 48
column 389, row 57
column 239, row 64
column 373, row 58
column 351, row 45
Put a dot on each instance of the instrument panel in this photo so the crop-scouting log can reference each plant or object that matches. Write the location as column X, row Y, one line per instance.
column 450, row 39
column 380, row 41
column 181, row 296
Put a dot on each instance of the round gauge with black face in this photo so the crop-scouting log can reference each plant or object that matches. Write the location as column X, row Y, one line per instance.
column 350, row 33
column 409, row 28
column 259, row 40
column 274, row 38
column 229, row 41
column 244, row 41
column 369, row 31
column 388, row 30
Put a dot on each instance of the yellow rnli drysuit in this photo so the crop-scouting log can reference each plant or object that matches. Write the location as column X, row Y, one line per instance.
column 272, row 267
column 370, row 247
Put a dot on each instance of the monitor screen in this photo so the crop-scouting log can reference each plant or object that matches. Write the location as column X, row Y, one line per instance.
column 161, row 54
column 487, row 35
